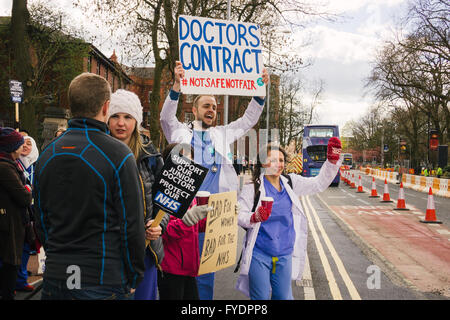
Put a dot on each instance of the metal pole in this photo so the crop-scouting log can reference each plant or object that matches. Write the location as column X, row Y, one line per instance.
column 268, row 98
column 382, row 148
column 225, row 101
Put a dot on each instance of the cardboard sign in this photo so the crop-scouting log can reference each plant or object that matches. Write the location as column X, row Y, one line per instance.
column 16, row 90
column 221, row 234
column 220, row 57
column 177, row 184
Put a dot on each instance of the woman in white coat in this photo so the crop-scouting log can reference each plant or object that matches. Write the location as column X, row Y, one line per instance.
column 275, row 243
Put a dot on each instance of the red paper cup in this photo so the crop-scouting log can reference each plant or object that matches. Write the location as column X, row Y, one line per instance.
column 202, row 198
column 267, row 203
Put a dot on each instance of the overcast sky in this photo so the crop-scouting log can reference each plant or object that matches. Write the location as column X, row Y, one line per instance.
column 342, row 51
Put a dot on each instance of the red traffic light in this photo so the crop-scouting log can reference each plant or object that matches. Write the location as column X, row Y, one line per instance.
column 434, row 134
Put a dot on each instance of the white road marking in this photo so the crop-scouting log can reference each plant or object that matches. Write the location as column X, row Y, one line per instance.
column 340, row 266
column 307, row 282
column 334, row 289
column 365, row 202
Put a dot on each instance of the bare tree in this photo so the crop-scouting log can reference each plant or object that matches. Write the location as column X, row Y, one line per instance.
column 151, row 28
column 412, row 76
column 297, row 107
column 22, row 69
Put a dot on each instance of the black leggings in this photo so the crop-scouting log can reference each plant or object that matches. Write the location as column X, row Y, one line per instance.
column 176, row 287
column 8, row 276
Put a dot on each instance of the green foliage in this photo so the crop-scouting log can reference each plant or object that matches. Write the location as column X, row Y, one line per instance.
column 56, row 59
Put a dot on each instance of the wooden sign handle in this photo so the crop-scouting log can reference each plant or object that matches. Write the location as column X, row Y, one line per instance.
column 155, row 223
column 158, row 219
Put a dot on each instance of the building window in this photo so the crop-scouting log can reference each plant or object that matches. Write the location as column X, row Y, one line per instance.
column 98, row 68
column 219, row 118
column 188, row 117
column 189, row 98
column 113, row 83
column 106, row 74
column 89, row 64
column 149, row 95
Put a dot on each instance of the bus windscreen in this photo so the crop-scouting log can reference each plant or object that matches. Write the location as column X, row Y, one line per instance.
column 317, row 153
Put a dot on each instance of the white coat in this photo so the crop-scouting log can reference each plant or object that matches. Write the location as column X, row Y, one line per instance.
column 221, row 137
column 300, row 186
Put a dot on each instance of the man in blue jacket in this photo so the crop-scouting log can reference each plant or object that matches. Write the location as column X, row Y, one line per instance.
column 89, row 204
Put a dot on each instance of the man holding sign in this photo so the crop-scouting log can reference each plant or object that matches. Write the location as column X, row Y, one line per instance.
column 212, row 143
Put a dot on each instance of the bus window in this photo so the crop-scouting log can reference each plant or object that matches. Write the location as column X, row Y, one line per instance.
column 317, row 153
column 321, row 132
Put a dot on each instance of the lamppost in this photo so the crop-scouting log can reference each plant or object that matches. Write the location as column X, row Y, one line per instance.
column 225, row 100
column 268, row 84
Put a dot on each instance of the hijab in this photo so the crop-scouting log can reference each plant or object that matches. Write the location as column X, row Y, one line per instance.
column 31, row 158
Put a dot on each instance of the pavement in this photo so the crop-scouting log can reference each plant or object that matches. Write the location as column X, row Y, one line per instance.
column 34, row 279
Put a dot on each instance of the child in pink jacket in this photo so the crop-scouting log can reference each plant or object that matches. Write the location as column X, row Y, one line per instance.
column 176, row 280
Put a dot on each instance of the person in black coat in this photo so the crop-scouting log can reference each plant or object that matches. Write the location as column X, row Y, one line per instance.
column 15, row 198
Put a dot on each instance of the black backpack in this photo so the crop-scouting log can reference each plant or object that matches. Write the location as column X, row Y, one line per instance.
column 255, row 203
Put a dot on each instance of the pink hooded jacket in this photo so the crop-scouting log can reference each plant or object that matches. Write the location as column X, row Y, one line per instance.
column 181, row 252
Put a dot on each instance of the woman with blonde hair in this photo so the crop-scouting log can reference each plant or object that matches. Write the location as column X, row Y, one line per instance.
column 124, row 120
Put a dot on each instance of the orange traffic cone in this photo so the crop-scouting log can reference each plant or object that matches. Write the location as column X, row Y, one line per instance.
column 401, row 205
column 430, row 215
column 352, row 185
column 374, row 193
column 386, row 197
column 360, row 187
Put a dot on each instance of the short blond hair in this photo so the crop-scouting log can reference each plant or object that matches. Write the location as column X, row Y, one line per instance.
column 87, row 94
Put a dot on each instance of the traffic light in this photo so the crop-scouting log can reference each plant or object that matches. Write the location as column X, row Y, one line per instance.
column 434, row 139
column 403, row 147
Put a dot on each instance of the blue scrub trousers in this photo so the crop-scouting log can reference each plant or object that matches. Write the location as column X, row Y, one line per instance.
column 205, row 282
column 267, row 274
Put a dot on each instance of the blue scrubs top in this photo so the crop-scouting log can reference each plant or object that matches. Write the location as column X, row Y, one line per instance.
column 204, row 150
column 276, row 236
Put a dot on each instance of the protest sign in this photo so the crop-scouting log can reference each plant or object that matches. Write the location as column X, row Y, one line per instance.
column 16, row 91
column 220, row 245
column 177, row 184
column 220, row 57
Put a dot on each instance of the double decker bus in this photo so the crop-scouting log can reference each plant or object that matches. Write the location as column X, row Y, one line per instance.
column 348, row 160
column 315, row 141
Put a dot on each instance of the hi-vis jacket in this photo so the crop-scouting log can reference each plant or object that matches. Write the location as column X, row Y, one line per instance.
column 301, row 186
column 221, row 136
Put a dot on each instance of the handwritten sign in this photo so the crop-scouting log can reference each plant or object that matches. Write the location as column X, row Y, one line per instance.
column 220, row 245
column 177, row 184
column 223, row 56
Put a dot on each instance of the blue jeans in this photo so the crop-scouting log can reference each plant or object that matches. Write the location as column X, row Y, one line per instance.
column 267, row 274
column 148, row 289
column 22, row 273
column 57, row 290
